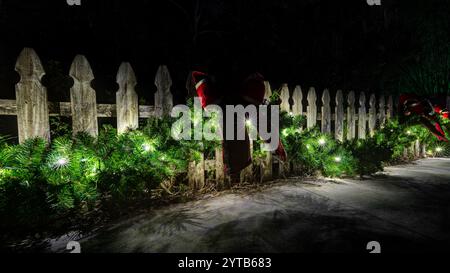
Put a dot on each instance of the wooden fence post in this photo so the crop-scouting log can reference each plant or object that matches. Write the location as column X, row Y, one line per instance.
column 127, row 99
column 266, row 167
column 312, row 108
column 297, row 97
column 417, row 151
column 326, row 112
column 163, row 96
column 382, row 110
column 285, row 106
column 247, row 173
column 220, row 167
column 351, row 122
column 196, row 174
column 390, row 107
column 372, row 114
column 362, row 118
column 339, row 118
column 31, row 98
column 269, row 92
column 83, row 98
column 423, row 151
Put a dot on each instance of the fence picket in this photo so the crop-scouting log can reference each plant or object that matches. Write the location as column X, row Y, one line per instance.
column 362, row 117
column 390, row 107
column 127, row 99
column 83, row 98
column 351, row 121
column 372, row 114
column 31, row 98
column 312, row 108
column 339, row 116
column 382, row 111
column 326, row 112
column 297, row 97
column 163, row 95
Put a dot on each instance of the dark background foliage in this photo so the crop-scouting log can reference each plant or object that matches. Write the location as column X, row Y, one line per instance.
column 400, row 46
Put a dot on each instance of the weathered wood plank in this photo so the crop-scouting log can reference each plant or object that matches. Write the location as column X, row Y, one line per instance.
column 63, row 109
column 297, row 97
column 372, row 114
column 127, row 99
column 285, row 105
column 351, row 114
column 8, row 108
column 362, row 117
column 83, row 98
column 339, row 116
column 268, row 93
column 390, row 107
column 196, row 174
column 382, row 111
column 220, row 167
column 312, row 108
column 31, row 98
column 247, row 173
column 267, row 163
column 326, row 112
column 163, row 95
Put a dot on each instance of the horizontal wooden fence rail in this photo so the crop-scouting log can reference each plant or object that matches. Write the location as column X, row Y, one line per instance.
column 63, row 109
column 358, row 114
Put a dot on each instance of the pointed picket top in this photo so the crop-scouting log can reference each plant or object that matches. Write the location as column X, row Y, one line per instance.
column 285, row 96
column 297, row 97
column 351, row 98
column 163, row 80
column 382, row 101
column 326, row 99
column 29, row 65
column 126, row 75
column 373, row 100
column 81, row 70
column 362, row 99
column 339, row 97
column 268, row 89
column 312, row 96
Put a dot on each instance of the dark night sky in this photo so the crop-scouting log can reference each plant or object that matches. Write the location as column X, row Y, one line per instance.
column 343, row 44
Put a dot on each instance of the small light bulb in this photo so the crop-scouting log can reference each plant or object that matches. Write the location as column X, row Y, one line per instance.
column 409, row 133
column 322, row 141
column 62, row 162
column 338, row 159
column 439, row 149
column 147, row 147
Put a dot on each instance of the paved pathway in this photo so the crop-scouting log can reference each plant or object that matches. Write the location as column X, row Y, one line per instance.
column 406, row 209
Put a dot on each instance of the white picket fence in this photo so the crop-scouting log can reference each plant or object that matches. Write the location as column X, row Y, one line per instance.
column 33, row 110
